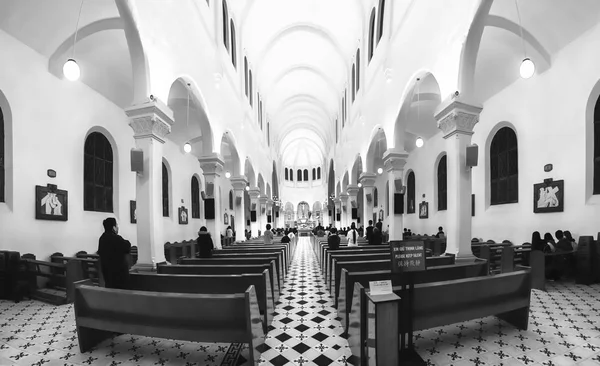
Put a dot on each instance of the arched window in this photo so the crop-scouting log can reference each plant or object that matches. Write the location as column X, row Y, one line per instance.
column 371, row 33
column 299, row 175
column 337, row 127
column 2, row 175
column 165, row 190
column 314, row 171
column 357, row 70
column 387, row 198
column 596, row 148
column 504, row 167
column 353, row 82
column 306, row 175
column 381, row 14
column 246, row 75
column 442, row 180
column 291, row 175
column 250, row 87
column 375, row 197
column 286, row 173
column 97, row 174
column 195, row 198
column 231, row 199
column 319, row 173
column 233, row 45
column 225, row 25
column 410, row 193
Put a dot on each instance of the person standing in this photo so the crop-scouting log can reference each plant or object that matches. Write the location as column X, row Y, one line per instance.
column 268, row 236
column 333, row 240
column 205, row 243
column 369, row 231
column 113, row 250
column 229, row 232
column 352, row 236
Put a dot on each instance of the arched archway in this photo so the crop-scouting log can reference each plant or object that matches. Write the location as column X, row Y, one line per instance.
column 357, row 169
column 375, row 152
column 231, row 157
column 249, row 173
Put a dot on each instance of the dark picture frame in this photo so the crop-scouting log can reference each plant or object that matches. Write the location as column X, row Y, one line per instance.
column 549, row 196
column 182, row 214
column 424, row 210
column 51, row 203
column 225, row 219
column 133, row 212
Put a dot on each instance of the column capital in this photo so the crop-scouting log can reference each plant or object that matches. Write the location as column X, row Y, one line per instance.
column 352, row 190
column 151, row 119
column 263, row 199
column 344, row 196
column 212, row 165
column 239, row 183
column 456, row 116
column 367, row 179
column 336, row 200
column 394, row 160
column 254, row 193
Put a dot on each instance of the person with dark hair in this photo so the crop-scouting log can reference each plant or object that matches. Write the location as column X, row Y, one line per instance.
column 352, row 236
column 333, row 240
column 113, row 250
column 563, row 244
column 536, row 241
column 440, row 233
column 205, row 243
column 268, row 236
column 569, row 237
column 229, row 232
column 285, row 238
column 551, row 244
column 377, row 237
column 369, row 231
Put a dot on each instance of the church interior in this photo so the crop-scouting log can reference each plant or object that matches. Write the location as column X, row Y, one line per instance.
column 381, row 182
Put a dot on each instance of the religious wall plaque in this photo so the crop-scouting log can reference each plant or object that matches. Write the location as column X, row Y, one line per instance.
column 132, row 212
column 549, row 197
column 51, row 203
column 183, row 215
column 407, row 256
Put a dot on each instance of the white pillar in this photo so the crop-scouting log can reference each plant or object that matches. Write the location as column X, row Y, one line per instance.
column 457, row 119
column 368, row 183
column 239, row 187
column 345, row 210
column 394, row 162
column 352, row 201
column 151, row 121
column 263, row 213
column 254, row 194
column 212, row 167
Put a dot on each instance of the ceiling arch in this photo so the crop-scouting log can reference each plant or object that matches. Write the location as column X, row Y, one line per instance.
column 297, row 68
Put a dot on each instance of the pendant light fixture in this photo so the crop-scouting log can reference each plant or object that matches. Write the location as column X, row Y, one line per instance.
column 187, row 147
column 419, row 142
column 71, row 69
column 527, row 68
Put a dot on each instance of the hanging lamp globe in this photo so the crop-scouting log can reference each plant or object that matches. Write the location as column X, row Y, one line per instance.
column 227, row 175
column 379, row 171
column 419, row 142
column 187, row 148
column 527, row 68
column 71, row 70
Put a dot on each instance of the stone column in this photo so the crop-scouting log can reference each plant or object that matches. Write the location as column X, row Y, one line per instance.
column 345, row 202
column 394, row 162
column 368, row 183
column 212, row 166
column 337, row 209
column 352, row 197
column 151, row 121
column 239, row 187
column 456, row 119
column 254, row 194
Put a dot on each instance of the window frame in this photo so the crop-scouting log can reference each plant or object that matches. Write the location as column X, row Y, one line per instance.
column 505, row 136
column 90, row 203
column 195, row 197
column 411, row 193
column 442, row 183
column 165, row 190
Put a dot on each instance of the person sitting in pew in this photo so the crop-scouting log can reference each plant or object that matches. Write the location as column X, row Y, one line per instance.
column 285, row 239
column 369, row 231
column 377, row 237
column 113, row 250
column 551, row 244
column 440, row 233
column 205, row 243
column 570, row 239
column 353, row 236
column 563, row 244
column 268, row 237
column 536, row 241
column 333, row 240
column 229, row 232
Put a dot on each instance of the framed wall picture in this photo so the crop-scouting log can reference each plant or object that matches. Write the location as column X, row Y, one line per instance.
column 183, row 215
column 51, row 203
column 133, row 212
column 549, row 197
column 226, row 219
column 424, row 210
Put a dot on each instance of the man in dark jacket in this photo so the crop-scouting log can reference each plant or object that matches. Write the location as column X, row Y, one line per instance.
column 113, row 250
column 333, row 240
column 369, row 231
column 205, row 243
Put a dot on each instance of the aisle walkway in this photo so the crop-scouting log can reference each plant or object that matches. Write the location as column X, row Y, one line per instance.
column 304, row 330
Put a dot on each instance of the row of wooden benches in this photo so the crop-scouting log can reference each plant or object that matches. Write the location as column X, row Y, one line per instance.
column 202, row 300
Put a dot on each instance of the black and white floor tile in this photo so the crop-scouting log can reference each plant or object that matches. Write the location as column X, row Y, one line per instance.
column 564, row 329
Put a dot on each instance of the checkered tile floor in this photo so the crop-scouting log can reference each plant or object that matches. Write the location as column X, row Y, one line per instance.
column 564, row 329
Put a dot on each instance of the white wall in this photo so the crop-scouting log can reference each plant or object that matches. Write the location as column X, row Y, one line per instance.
column 50, row 120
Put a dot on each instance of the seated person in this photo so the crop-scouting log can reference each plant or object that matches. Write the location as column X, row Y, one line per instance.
column 205, row 243
column 333, row 240
column 563, row 244
column 536, row 241
column 112, row 249
column 285, row 238
column 268, row 236
column 551, row 244
column 440, row 233
column 377, row 237
column 570, row 238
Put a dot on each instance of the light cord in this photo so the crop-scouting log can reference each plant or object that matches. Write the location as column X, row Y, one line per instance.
column 77, row 28
column 521, row 28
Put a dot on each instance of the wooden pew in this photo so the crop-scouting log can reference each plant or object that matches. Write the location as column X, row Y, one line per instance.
column 90, row 267
column 276, row 256
column 210, row 284
column 232, row 318
column 215, row 269
column 61, row 278
column 288, row 251
column 280, row 250
column 330, row 254
column 507, row 296
column 433, row 274
column 376, row 265
column 267, row 260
